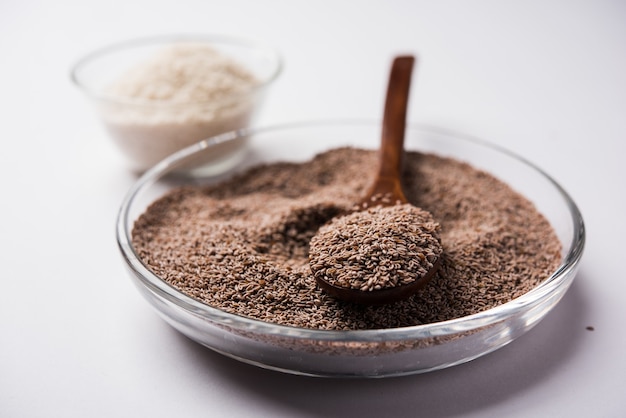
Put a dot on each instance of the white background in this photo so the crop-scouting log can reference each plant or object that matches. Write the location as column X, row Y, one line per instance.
column 545, row 79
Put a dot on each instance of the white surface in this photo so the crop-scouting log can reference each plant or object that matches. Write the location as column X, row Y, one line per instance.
column 543, row 78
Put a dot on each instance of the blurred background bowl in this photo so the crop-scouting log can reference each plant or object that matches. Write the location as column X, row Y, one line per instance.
column 366, row 353
column 147, row 131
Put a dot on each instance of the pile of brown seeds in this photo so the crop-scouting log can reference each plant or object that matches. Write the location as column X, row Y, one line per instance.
column 378, row 248
column 242, row 245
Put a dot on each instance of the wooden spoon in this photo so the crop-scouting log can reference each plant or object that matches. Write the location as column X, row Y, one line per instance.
column 385, row 191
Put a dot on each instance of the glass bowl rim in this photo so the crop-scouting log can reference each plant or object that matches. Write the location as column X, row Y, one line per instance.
column 77, row 80
column 436, row 329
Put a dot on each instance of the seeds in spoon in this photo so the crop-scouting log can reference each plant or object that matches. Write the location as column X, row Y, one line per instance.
column 378, row 248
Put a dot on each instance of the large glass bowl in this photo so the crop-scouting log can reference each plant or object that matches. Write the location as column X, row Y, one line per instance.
column 147, row 131
column 368, row 353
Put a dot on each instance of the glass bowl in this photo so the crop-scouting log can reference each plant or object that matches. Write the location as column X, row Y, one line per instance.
column 147, row 131
column 367, row 353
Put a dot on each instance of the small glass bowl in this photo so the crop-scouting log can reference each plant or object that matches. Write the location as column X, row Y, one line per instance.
column 148, row 131
column 367, row 353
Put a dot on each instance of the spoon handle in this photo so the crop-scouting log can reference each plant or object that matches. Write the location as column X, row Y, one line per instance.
column 394, row 120
column 387, row 182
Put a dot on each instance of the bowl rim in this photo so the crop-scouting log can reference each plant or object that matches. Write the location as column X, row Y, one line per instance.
column 436, row 329
column 165, row 39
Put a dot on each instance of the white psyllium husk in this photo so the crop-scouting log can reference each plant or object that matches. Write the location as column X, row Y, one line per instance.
column 183, row 94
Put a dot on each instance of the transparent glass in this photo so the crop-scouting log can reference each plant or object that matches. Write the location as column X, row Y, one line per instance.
column 371, row 353
column 147, row 131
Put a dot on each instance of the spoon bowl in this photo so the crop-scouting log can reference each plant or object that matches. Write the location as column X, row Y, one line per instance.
column 381, row 296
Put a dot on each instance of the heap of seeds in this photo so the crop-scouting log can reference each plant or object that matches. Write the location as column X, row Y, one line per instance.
column 242, row 245
column 378, row 248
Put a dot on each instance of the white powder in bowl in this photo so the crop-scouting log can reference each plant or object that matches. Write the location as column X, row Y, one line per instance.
column 183, row 94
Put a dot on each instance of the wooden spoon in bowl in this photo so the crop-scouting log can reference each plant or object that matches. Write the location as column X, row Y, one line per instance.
column 387, row 249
